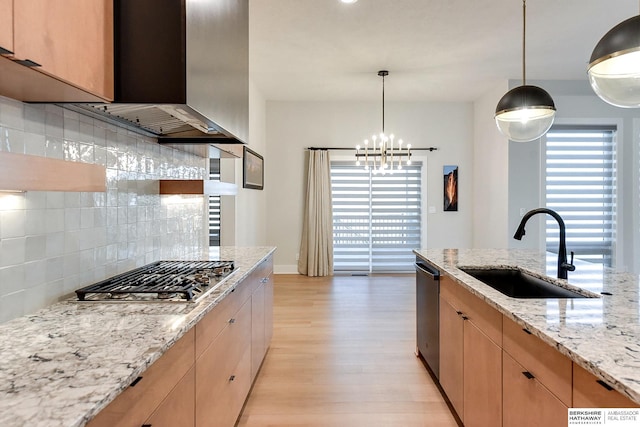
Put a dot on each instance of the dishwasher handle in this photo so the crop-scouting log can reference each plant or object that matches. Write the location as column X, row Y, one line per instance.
column 430, row 271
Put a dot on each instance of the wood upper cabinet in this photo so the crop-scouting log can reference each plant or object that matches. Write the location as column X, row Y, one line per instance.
column 69, row 40
column 470, row 359
column 6, row 27
column 591, row 392
column 527, row 402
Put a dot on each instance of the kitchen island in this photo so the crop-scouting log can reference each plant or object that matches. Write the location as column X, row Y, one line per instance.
column 64, row 364
column 600, row 334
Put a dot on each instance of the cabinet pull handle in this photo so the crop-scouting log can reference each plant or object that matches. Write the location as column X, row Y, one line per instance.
column 232, row 320
column 232, row 377
column 526, row 330
column 136, row 381
column 146, row 425
column 459, row 313
column 528, row 374
column 4, row 51
column 605, row 385
column 464, row 317
column 264, row 280
column 27, row 63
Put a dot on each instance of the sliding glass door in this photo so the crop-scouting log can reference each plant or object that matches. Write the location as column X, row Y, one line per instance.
column 376, row 218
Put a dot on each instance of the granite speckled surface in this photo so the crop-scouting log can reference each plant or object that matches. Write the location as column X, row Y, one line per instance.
column 601, row 334
column 62, row 365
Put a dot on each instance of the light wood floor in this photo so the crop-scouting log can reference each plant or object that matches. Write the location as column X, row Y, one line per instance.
column 343, row 355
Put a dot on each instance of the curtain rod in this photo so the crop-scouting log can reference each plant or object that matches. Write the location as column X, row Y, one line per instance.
column 354, row 149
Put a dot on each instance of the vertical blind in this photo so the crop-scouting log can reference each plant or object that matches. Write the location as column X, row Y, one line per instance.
column 214, row 205
column 376, row 218
column 581, row 187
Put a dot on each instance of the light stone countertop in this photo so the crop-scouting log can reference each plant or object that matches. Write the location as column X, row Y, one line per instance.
column 600, row 334
column 62, row 365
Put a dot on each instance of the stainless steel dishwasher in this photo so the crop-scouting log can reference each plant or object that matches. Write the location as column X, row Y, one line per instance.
column 427, row 315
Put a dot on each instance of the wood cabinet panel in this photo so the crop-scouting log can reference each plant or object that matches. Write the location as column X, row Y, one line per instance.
column 588, row 392
column 80, row 53
column 218, row 318
column 485, row 317
column 268, row 309
column 6, row 26
column 527, row 403
column 134, row 405
column 552, row 368
column 178, row 408
column 451, row 355
column 223, row 372
column 482, row 379
column 258, row 346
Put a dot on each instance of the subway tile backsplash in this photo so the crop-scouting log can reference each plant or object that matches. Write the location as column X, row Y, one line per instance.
column 52, row 243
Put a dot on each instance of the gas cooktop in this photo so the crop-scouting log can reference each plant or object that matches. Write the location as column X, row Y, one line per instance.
column 173, row 281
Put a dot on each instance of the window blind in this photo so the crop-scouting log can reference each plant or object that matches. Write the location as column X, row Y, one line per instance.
column 581, row 187
column 376, row 218
column 214, row 205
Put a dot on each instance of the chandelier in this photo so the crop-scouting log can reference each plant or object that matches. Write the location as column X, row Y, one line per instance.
column 383, row 153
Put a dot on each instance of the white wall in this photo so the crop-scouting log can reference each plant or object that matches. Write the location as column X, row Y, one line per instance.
column 491, row 173
column 250, row 205
column 293, row 126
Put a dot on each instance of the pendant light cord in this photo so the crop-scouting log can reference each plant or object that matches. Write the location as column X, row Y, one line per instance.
column 383, row 103
column 524, row 44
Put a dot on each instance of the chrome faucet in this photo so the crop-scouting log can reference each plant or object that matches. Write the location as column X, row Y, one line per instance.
column 563, row 265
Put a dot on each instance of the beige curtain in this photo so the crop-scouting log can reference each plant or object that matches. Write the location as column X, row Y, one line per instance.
column 316, row 247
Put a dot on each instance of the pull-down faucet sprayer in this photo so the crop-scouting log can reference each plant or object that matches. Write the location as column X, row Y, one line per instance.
column 563, row 265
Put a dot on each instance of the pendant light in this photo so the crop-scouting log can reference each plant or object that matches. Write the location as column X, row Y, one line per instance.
column 526, row 112
column 614, row 67
column 384, row 155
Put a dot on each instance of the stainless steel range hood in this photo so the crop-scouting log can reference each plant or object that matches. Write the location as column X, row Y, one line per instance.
column 181, row 70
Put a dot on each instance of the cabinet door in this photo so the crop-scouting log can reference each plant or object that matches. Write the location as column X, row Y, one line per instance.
column 482, row 379
column 223, row 373
column 257, row 330
column 71, row 40
column 268, row 311
column 591, row 392
column 451, row 355
column 178, row 407
column 6, row 26
column 527, row 403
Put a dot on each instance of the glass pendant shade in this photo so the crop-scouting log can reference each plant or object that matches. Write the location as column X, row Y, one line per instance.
column 614, row 67
column 525, row 113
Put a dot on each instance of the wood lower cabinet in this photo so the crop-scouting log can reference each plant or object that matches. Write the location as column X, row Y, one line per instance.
column 177, row 409
column 470, row 361
column 590, row 391
column 451, row 355
column 527, row 402
column 205, row 378
column 149, row 392
column 223, row 373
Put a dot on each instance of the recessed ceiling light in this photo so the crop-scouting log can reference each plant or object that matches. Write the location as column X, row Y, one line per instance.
column 348, row 1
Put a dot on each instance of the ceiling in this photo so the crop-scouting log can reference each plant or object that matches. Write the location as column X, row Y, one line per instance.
column 435, row 50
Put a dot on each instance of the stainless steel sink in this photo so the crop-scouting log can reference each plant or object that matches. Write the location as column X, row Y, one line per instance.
column 518, row 284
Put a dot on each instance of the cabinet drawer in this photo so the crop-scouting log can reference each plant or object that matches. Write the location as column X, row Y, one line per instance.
column 214, row 322
column 224, row 366
column 178, row 408
column 591, row 392
column 485, row 317
column 526, row 402
column 135, row 404
column 548, row 365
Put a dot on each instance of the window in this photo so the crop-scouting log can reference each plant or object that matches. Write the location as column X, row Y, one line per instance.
column 581, row 187
column 376, row 218
column 214, row 206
